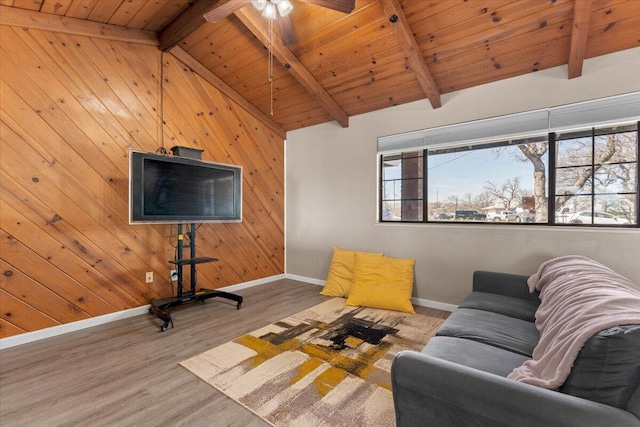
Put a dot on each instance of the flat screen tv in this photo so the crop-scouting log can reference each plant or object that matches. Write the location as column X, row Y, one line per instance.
column 173, row 189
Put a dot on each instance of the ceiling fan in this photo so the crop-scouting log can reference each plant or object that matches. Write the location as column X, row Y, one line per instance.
column 278, row 10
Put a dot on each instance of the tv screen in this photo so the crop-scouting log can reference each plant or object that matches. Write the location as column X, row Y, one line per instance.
column 172, row 189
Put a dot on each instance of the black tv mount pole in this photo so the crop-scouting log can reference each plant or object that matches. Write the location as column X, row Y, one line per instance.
column 160, row 308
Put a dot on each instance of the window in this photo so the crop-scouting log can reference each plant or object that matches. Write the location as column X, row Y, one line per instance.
column 587, row 178
column 489, row 182
column 596, row 177
column 402, row 187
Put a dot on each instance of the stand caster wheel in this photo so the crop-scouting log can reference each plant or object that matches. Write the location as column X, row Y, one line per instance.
column 165, row 325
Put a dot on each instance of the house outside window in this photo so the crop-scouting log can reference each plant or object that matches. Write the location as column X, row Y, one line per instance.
column 495, row 182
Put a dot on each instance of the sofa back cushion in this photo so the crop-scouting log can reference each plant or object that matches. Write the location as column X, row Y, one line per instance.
column 607, row 369
column 579, row 298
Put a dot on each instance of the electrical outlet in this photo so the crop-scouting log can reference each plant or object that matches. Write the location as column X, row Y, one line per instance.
column 148, row 277
column 174, row 275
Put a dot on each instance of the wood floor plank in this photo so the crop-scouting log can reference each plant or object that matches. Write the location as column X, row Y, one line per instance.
column 127, row 373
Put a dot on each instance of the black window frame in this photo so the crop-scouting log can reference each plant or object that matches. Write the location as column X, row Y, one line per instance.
column 551, row 183
column 401, row 199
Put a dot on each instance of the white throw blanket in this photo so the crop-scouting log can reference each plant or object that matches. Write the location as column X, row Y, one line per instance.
column 579, row 298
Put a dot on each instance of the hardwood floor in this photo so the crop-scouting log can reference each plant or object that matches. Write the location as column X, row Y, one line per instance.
column 126, row 373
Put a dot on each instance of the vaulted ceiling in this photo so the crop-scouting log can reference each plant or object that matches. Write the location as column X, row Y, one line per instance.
column 383, row 53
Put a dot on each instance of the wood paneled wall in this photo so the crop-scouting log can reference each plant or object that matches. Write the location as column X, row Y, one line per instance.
column 71, row 108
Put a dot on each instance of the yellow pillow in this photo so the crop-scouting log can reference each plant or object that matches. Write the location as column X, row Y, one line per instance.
column 340, row 276
column 383, row 282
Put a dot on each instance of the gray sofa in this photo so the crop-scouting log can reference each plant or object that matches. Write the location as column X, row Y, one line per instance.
column 459, row 378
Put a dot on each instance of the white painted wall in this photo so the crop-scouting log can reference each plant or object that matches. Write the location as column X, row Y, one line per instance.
column 331, row 185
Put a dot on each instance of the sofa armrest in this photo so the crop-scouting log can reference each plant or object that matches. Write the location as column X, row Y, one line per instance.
column 428, row 391
column 511, row 285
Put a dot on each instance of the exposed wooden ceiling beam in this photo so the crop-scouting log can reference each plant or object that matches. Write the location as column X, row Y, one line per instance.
column 223, row 10
column 193, row 17
column 47, row 22
column 345, row 6
column 396, row 16
column 579, row 33
column 204, row 72
column 258, row 26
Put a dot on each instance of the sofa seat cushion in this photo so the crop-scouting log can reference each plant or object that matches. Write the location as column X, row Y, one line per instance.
column 498, row 330
column 474, row 354
column 502, row 304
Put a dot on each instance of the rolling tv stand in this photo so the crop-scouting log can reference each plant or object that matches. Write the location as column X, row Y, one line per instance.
column 161, row 308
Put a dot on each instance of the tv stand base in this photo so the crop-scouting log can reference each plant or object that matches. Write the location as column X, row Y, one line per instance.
column 160, row 308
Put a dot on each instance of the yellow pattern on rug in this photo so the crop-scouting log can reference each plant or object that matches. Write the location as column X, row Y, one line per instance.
column 328, row 365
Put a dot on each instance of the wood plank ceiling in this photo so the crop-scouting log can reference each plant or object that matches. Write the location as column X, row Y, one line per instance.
column 384, row 53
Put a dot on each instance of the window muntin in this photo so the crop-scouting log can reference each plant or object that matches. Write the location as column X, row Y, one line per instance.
column 402, row 189
column 593, row 168
column 597, row 177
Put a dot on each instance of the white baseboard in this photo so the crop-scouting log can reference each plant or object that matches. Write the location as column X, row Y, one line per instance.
column 416, row 301
column 251, row 284
column 434, row 304
column 53, row 331
column 305, row 279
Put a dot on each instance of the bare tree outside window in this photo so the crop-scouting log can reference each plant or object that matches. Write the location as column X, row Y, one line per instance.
column 509, row 192
column 535, row 153
column 594, row 180
column 597, row 173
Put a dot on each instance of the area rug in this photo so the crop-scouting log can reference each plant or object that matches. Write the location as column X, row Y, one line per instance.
column 326, row 366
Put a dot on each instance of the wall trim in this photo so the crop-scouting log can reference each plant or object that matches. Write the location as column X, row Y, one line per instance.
column 79, row 325
column 53, row 331
column 305, row 279
column 434, row 304
column 252, row 283
column 416, row 301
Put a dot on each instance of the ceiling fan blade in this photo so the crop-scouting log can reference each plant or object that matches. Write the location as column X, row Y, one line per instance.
column 285, row 30
column 345, row 6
